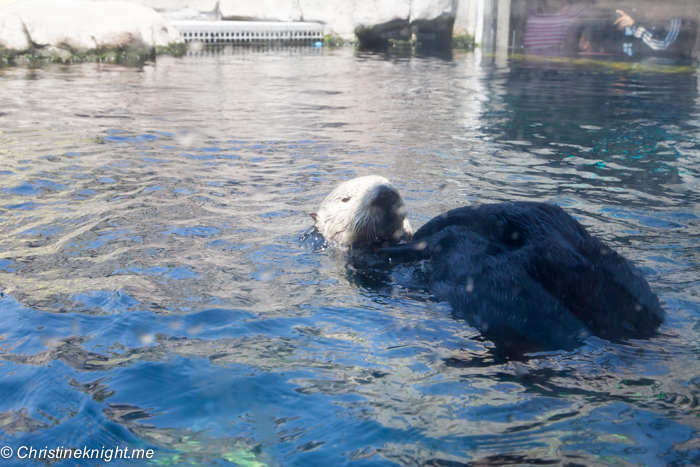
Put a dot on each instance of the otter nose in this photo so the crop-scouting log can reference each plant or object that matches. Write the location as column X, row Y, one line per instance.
column 386, row 199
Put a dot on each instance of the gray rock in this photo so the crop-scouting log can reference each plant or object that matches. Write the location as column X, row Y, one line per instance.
column 64, row 28
column 340, row 17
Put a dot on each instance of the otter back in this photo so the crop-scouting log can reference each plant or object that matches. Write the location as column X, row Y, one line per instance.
column 528, row 276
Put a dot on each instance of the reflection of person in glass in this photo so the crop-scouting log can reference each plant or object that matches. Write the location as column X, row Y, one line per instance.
column 545, row 32
column 592, row 37
column 657, row 38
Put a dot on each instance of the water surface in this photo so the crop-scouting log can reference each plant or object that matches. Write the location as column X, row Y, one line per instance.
column 155, row 293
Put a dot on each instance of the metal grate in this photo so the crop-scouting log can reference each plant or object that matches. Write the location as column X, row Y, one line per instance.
column 247, row 31
column 253, row 50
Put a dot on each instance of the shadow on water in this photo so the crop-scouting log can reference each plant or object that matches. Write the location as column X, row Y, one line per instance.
column 155, row 293
column 420, row 51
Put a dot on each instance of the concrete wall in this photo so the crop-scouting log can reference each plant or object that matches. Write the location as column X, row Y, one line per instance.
column 466, row 15
column 340, row 16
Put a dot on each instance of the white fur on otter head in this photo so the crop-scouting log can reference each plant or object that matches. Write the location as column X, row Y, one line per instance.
column 363, row 212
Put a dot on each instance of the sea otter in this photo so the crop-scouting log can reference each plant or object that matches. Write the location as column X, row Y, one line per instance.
column 363, row 212
column 526, row 274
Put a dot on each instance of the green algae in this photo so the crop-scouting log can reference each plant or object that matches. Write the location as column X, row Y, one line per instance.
column 130, row 56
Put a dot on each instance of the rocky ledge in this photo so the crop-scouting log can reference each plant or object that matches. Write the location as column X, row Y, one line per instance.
column 373, row 22
column 82, row 30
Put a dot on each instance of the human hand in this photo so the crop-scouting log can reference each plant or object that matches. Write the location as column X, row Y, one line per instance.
column 624, row 21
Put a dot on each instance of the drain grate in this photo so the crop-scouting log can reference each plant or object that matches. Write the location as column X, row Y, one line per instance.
column 247, row 31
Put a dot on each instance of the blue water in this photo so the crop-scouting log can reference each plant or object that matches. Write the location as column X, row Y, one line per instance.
column 156, row 295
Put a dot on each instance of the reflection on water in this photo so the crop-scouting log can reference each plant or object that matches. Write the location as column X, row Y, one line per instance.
column 155, row 293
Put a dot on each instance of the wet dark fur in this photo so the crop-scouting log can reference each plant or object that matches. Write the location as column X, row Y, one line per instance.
column 528, row 276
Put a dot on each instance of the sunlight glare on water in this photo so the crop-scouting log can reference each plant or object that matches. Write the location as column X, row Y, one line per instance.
column 155, row 293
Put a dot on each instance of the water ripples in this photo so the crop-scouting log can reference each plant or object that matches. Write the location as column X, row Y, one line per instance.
column 155, row 291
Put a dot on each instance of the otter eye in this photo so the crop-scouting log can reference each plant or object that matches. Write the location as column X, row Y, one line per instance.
column 345, row 200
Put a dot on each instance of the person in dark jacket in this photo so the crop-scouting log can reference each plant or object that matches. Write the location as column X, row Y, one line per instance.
column 667, row 40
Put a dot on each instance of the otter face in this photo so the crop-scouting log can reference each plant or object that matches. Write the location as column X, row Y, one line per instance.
column 363, row 212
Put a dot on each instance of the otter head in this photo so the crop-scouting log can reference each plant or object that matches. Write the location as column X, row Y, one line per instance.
column 363, row 212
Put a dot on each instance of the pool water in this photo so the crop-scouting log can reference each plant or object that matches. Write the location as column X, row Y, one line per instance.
column 156, row 293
